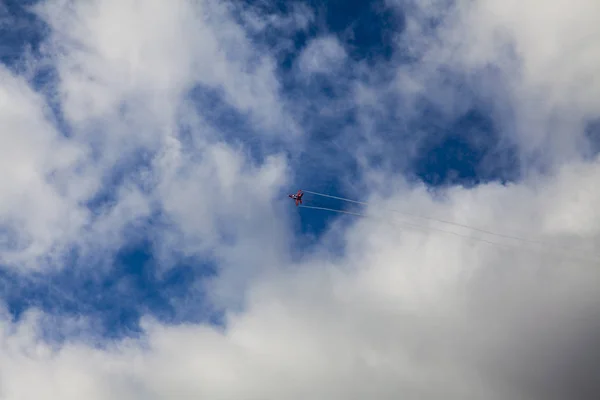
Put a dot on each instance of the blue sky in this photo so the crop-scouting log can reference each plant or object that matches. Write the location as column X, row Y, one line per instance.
column 460, row 151
column 153, row 149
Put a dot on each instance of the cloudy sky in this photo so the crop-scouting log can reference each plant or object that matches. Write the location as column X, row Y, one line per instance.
column 148, row 249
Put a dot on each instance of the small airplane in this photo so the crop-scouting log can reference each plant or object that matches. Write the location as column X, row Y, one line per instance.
column 297, row 197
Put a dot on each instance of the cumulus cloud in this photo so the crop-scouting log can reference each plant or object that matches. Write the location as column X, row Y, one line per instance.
column 402, row 313
column 534, row 66
column 399, row 312
column 34, row 207
column 124, row 75
column 322, row 55
column 103, row 60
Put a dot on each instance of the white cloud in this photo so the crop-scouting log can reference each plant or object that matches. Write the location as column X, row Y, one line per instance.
column 535, row 63
column 420, row 314
column 125, row 72
column 258, row 21
column 401, row 313
column 34, row 155
column 323, row 55
column 108, row 53
column 223, row 206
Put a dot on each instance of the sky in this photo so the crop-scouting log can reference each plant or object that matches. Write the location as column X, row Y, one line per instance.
column 148, row 249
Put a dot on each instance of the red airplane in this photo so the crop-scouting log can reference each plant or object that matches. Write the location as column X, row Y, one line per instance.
column 297, row 197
